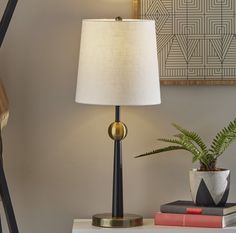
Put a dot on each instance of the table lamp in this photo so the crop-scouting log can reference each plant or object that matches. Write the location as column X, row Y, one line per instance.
column 118, row 66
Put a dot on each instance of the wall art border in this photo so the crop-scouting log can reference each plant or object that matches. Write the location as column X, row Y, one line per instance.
column 196, row 40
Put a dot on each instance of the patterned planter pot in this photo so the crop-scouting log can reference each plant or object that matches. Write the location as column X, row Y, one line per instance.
column 209, row 188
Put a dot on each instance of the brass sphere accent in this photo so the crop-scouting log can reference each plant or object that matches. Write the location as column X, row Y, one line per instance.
column 117, row 131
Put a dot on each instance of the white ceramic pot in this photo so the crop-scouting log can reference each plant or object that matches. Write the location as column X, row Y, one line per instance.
column 209, row 188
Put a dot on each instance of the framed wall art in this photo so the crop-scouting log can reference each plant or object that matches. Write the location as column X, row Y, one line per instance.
column 196, row 39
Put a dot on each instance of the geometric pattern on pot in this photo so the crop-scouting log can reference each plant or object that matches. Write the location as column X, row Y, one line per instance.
column 208, row 187
column 204, row 198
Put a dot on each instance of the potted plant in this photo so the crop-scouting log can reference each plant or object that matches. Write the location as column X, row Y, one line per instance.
column 209, row 184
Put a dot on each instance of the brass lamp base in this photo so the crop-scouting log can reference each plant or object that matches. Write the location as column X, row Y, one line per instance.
column 106, row 220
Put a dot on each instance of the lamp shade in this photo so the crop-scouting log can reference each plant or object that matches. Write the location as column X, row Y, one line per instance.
column 118, row 63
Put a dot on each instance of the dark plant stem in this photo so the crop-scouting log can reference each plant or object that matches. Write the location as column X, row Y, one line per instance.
column 209, row 167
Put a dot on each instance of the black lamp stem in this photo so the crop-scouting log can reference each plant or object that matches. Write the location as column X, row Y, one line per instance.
column 117, row 199
column 117, row 132
column 117, row 113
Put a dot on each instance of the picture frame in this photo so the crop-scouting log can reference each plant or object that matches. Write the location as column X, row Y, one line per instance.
column 210, row 64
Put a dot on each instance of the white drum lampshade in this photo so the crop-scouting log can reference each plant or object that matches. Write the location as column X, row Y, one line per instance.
column 118, row 63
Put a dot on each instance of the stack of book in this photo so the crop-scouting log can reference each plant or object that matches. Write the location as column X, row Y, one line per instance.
column 185, row 213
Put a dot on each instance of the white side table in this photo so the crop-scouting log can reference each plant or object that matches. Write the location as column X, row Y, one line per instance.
column 85, row 226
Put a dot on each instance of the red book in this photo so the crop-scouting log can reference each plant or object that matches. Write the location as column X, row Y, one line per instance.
column 193, row 220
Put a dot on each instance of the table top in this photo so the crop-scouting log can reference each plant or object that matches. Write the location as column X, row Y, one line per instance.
column 85, row 225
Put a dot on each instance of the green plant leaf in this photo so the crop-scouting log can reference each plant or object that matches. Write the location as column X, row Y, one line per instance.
column 186, row 143
column 175, row 141
column 192, row 136
column 164, row 149
column 192, row 142
column 223, row 139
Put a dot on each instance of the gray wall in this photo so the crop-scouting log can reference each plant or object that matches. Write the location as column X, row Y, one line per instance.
column 58, row 157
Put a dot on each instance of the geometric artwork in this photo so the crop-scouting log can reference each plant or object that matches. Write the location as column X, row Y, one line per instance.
column 196, row 39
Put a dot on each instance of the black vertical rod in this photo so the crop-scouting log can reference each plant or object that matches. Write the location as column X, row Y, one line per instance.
column 117, row 199
column 0, row 225
column 4, row 192
column 6, row 18
column 5, row 195
column 117, row 113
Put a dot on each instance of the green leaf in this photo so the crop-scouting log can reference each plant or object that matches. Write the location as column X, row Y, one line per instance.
column 164, row 149
column 192, row 142
column 223, row 139
column 192, row 136
column 175, row 141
